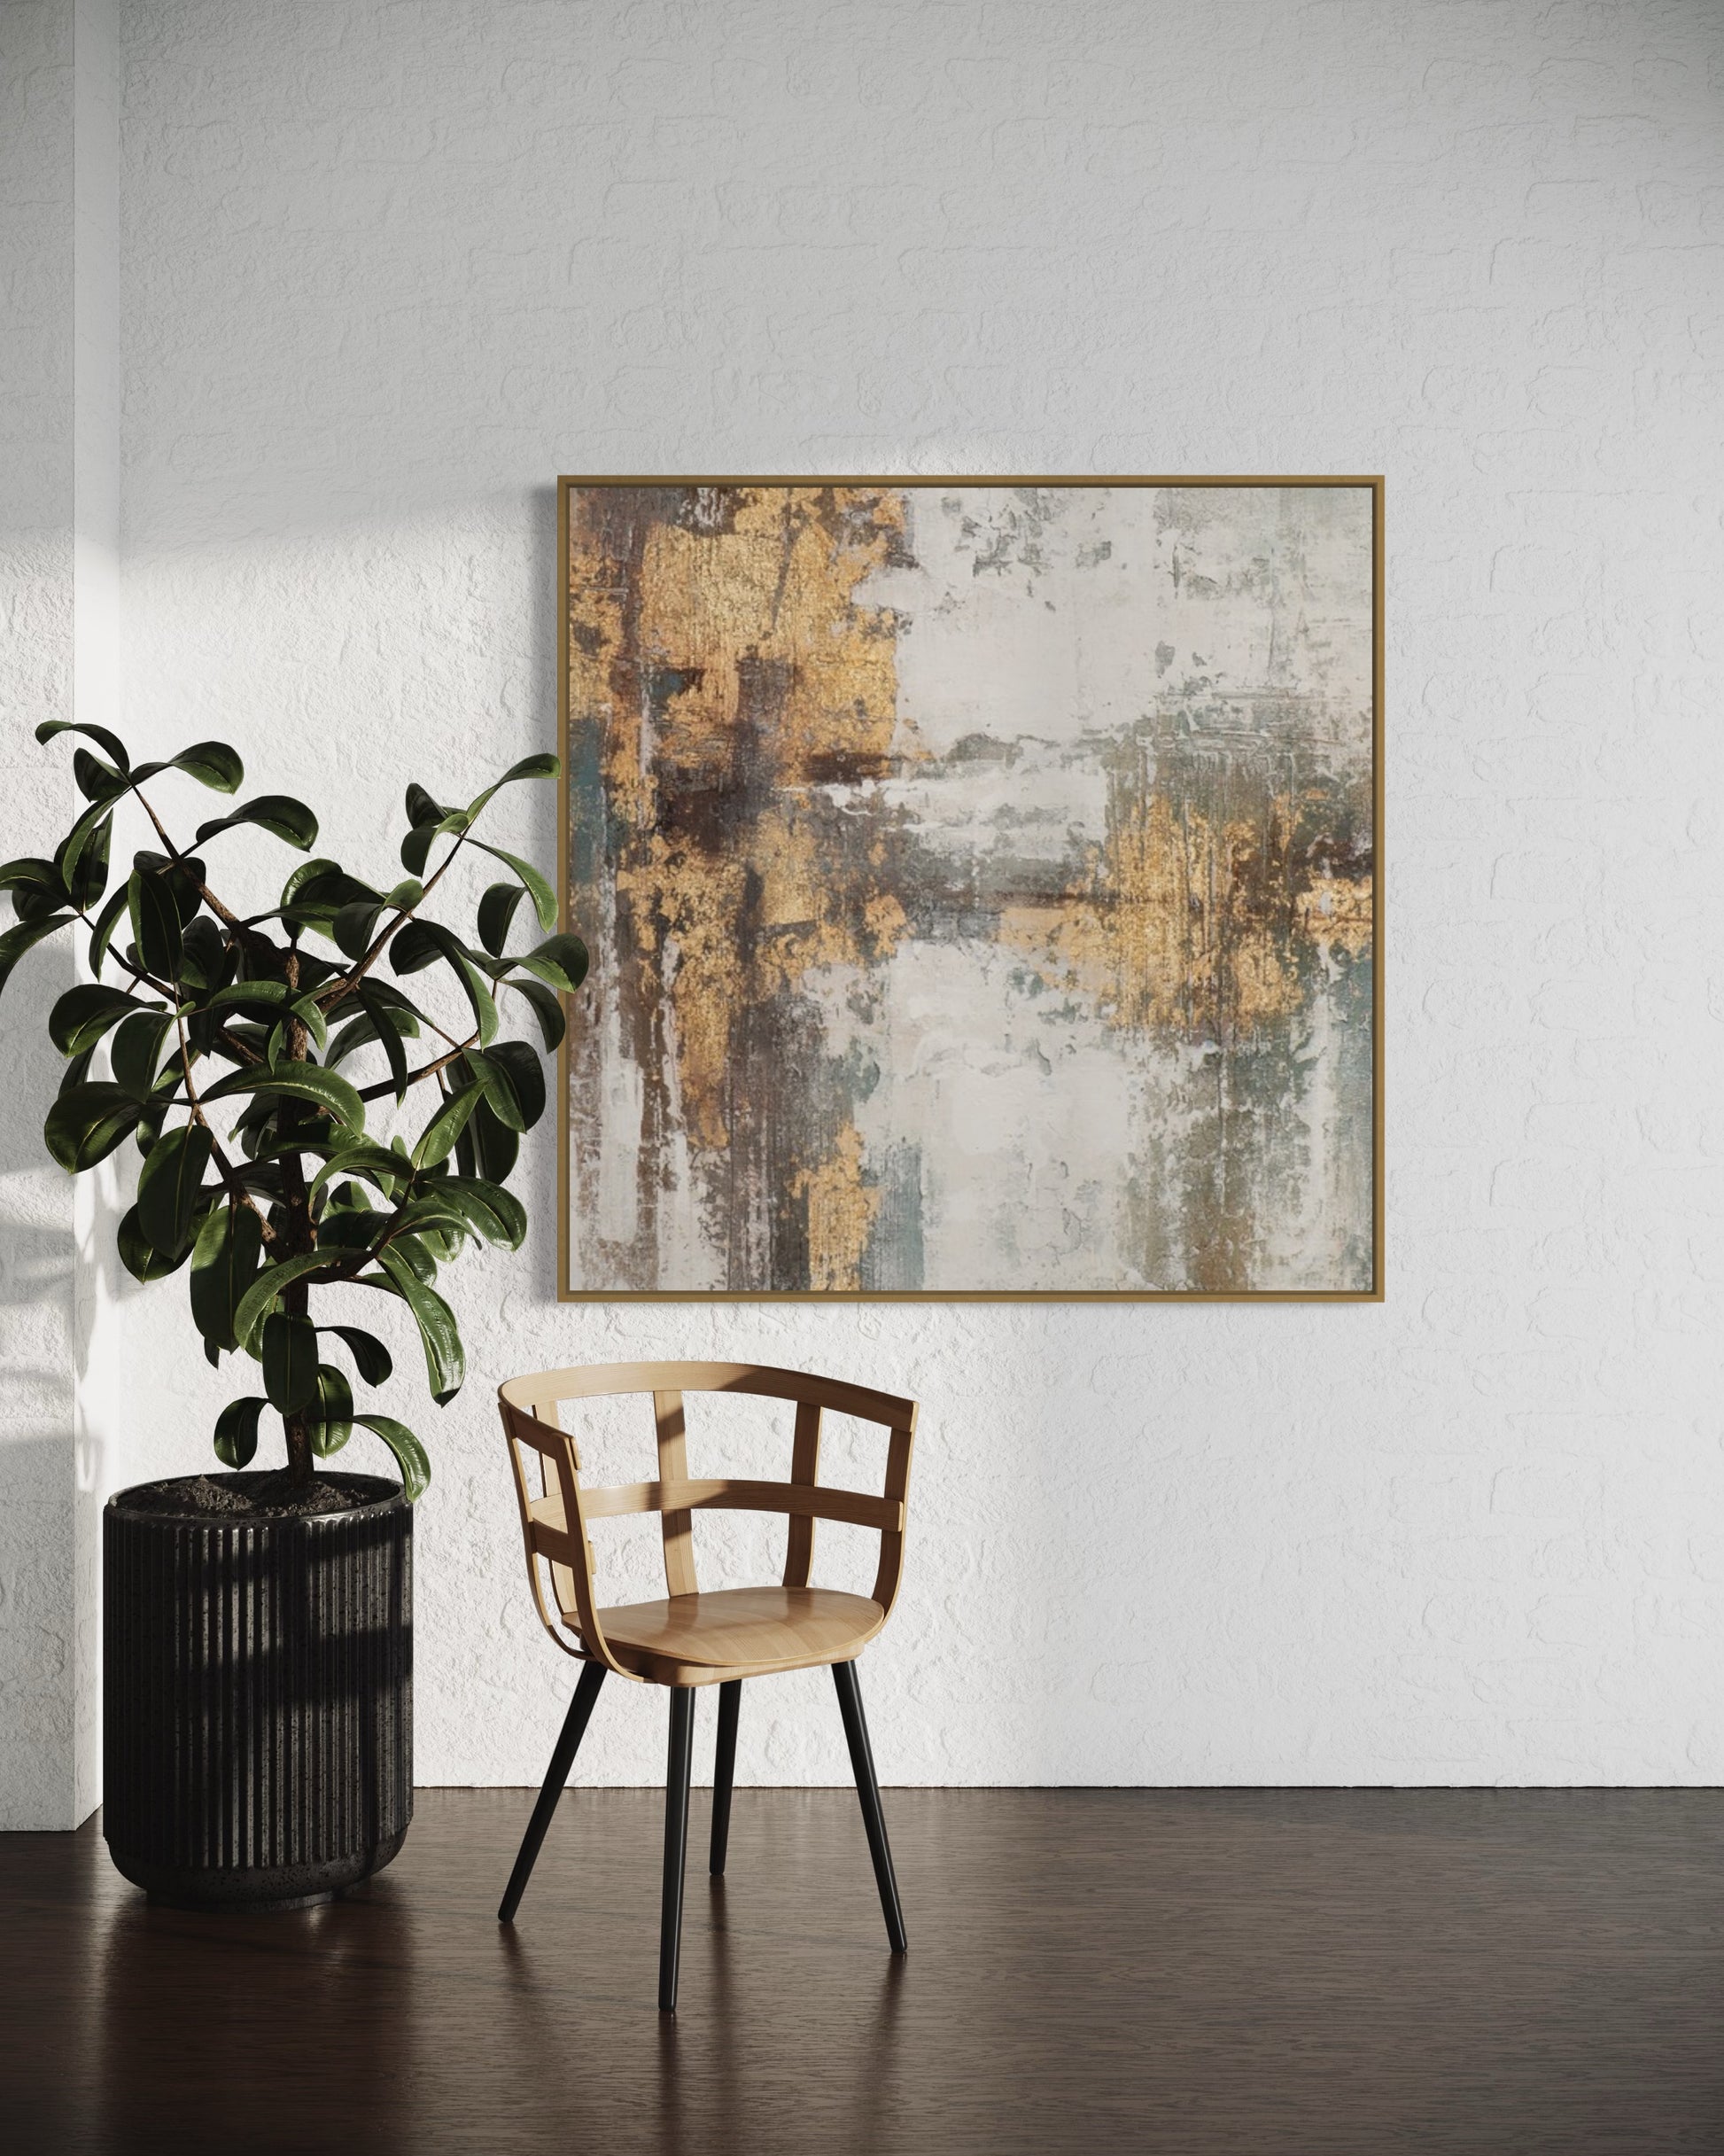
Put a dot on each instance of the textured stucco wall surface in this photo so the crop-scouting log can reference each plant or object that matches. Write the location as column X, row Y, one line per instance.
column 388, row 269
column 59, row 644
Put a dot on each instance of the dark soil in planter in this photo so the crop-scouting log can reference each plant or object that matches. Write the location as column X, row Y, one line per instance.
column 255, row 1494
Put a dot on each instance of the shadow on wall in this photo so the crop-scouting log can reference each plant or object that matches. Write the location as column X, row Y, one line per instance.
column 41, row 1622
column 545, row 804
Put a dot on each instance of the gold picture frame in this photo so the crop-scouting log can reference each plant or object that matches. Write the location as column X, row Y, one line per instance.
column 1368, row 1288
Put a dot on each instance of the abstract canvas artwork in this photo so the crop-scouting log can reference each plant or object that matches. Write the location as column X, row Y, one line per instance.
column 979, row 877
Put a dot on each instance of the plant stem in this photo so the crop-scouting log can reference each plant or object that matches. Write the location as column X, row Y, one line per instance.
column 237, row 1192
column 425, row 1070
column 301, row 1460
column 242, row 930
column 334, row 992
column 301, row 1234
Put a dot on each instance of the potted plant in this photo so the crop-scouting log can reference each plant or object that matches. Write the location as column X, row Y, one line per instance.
column 258, row 1633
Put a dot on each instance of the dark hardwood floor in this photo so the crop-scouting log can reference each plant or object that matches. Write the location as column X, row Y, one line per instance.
column 1088, row 1970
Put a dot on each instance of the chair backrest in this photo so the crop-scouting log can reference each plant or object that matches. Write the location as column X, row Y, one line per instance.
column 555, row 1523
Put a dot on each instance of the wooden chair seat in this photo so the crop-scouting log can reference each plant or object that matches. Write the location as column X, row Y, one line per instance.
column 739, row 1632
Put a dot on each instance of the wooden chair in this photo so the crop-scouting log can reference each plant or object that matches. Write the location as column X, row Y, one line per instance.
column 690, row 1639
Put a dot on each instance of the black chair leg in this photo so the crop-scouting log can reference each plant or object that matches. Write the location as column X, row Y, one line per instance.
column 574, row 1728
column 724, row 1772
column 867, row 1789
column 678, row 1772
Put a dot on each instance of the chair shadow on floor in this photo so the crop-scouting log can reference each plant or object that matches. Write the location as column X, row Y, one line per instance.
column 717, row 2063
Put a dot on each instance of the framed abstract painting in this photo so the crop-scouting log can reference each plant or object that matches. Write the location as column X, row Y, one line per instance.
column 980, row 882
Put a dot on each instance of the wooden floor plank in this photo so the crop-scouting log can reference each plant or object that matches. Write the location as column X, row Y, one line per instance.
column 1089, row 1971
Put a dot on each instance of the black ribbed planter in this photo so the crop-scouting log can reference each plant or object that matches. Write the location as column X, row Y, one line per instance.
column 257, row 1697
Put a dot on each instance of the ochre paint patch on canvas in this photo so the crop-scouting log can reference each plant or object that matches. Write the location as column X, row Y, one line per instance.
column 978, row 880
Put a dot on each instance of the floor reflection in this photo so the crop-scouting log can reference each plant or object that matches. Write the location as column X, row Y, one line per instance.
column 581, row 2022
column 1318, row 1972
column 202, row 2019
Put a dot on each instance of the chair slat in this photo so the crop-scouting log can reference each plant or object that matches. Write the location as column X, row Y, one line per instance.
column 676, row 1527
column 572, row 1560
column 601, row 1381
column 804, row 1471
column 725, row 1493
column 891, row 1543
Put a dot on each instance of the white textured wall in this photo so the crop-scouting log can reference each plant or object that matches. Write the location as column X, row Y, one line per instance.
column 60, row 647
column 38, row 1600
column 390, row 267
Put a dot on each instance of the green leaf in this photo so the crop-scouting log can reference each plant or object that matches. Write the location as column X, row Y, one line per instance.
column 409, row 1454
column 110, row 744
column 106, row 922
column 437, row 1139
column 421, row 1260
column 308, row 873
column 445, row 1364
column 346, row 1227
column 31, row 904
column 237, row 1430
column 94, row 779
column 185, row 879
column 276, row 813
column 17, row 941
column 208, row 960
column 299, row 1082
column 372, row 1359
column 389, row 1039
column 36, row 887
column 224, row 1262
column 520, row 1065
column 31, row 872
column 546, row 1007
column 167, row 1187
column 213, row 764
column 86, row 879
column 560, row 961
column 375, row 1164
column 382, row 1023
column 421, row 943
column 415, row 848
column 354, row 925
column 92, row 829
column 544, row 898
column 140, row 1259
column 315, row 893
column 420, row 806
column 495, row 1146
column 495, row 1213
column 496, row 1082
column 497, row 909
column 135, row 1049
column 332, row 1411
column 262, row 1000
column 289, row 1361
column 261, row 1296
column 156, row 925
column 541, row 767
column 84, row 1014
column 86, row 1124
column 431, row 1215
